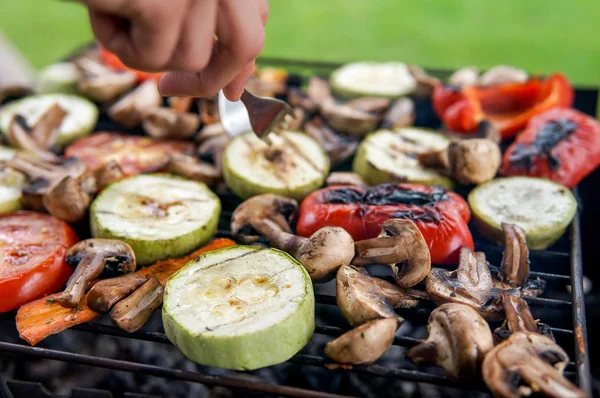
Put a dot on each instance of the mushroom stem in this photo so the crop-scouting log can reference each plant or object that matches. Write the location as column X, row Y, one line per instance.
column 518, row 316
column 106, row 293
column 515, row 259
column 89, row 268
column 18, row 136
column 282, row 240
column 132, row 313
column 45, row 131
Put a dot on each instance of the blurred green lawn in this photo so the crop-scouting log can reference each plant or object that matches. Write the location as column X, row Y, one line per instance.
column 538, row 35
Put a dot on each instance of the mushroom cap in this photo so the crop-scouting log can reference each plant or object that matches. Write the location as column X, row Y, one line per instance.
column 192, row 168
column 400, row 114
column 67, row 200
column 458, row 340
column 474, row 161
column 118, row 256
column 247, row 217
column 359, row 298
column 325, row 251
column 363, row 344
column 349, row 120
column 166, row 123
column 503, row 74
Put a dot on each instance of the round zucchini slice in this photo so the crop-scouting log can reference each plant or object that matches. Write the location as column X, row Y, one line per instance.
column 390, row 156
column 81, row 118
column 61, row 77
column 11, row 183
column 372, row 79
column 293, row 165
column 240, row 308
column 542, row 208
column 160, row 216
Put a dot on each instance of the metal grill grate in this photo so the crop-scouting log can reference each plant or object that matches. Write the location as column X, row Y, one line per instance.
column 560, row 266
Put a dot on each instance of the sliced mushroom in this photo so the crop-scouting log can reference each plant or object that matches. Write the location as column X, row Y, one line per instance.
column 132, row 313
column 344, row 178
column 471, row 284
column 464, row 77
column 518, row 319
column 106, row 293
column 166, row 123
column 487, row 130
column 295, row 120
column 469, row 162
column 297, row 98
column 101, row 83
column 425, row 82
column 375, row 105
column 18, row 135
column 525, row 364
column 130, row 109
column 503, row 74
column 192, row 168
column 318, row 90
column 400, row 114
column 363, row 344
column 346, row 119
column 401, row 245
column 362, row 298
column 321, row 254
column 107, row 174
column 45, row 131
column 93, row 258
column 458, row 340
column 338, row 147
column 70, row 198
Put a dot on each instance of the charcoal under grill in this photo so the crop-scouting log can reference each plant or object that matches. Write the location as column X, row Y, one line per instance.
column 565, row 313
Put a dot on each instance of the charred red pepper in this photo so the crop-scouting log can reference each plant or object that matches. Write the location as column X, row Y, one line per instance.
column 110, row 59
column 440, row 215
column 507, row 106
column 562, row 145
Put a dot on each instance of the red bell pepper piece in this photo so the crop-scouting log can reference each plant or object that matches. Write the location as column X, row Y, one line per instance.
column 508, row 106
column 111, row 60
column 561, row 144
column 440, row 215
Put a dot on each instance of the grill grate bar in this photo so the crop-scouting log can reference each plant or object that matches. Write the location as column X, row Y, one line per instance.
column 152, row 370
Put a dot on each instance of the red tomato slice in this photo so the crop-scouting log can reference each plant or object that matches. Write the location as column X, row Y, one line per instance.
column 134, row 154
column 32, row 257
column 440, row 215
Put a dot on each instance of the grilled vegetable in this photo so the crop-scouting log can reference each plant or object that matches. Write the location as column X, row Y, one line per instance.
column 44, row 317
column 81, row 117
column 33, row 248
column 115, row 63
column 11, row 183
column 240, row 308
column 440, row 215
column 134, row 155
column 61, row 77
column 293, row 165
column 508, row 106
column 391, row 156
column 369, row 79
column 562, row 145
column 160, row 216
column 543, row 209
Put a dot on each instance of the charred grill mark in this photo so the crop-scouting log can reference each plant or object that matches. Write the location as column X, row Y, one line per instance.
column 386, row 194
column 550, row 135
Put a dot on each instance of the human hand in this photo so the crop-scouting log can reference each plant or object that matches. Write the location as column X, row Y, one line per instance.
column 178, row 36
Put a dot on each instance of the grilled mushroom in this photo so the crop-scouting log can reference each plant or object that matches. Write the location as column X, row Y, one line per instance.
column 192, row 168
column 131, row 313
column 70, row 198
column 502, row 74
column 458, row 340
column 471, row 284
column 526, row 362
column 297, row 98
column 471, row 161
column 130, row 109
column 375, row 105
column 338, row 147
column 400, row 114
column 362, row 298
column 321, row 254
column 518, row 318
column 106, row 293
column 344, row 178
column 107, row 174
column 363, row 344
column 401, row 245
column 346, row 119
column 295, row 121
column 464, row 77
column 93, row 258
column 425, row 82
column 318, row 90
column 167, row 123
column 101, row 83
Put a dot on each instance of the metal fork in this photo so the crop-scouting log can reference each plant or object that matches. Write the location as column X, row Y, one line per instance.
column 259, row 114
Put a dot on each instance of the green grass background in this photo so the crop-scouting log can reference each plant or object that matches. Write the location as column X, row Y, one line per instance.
column 538, row 35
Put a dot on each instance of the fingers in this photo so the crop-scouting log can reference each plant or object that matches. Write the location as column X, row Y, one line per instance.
column 241, row 38
column 142, row 33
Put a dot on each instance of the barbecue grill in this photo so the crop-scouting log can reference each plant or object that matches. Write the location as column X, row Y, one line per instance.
column 560, row 266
